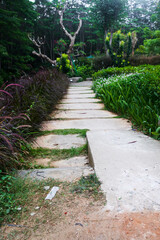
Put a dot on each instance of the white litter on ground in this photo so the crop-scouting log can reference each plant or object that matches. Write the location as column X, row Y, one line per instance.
column 52, row 193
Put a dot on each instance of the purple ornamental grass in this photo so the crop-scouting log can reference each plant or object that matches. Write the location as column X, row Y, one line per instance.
column 23, row 106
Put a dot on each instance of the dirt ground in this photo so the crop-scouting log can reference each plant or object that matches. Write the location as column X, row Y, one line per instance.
column 71, row 216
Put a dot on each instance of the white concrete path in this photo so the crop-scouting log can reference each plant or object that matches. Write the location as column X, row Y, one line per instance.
column 126, row 162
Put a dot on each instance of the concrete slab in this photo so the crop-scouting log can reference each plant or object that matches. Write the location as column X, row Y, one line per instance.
column 80, row 100
column 79, row 88
column 128, row 165
column 82, row 84
column 59, row 141
column 80, row 161
column 82, row 114
column 74, row 79
column 74, row 96
column 72, row 91
column 81, row 106
column 91, row 124
column 61, row 174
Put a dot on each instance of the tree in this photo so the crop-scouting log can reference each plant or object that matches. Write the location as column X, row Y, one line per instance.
column 107, row 14
column 16, row 19
column 71, row 37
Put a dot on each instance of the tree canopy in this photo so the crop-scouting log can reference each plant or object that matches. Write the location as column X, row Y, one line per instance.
column 41, row 18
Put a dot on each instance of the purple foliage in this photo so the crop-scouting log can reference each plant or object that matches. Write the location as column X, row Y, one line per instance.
column 23, row 107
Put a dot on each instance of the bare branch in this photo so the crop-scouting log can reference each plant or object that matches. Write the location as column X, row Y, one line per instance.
column 44, row 57
column 39, row 53
column 80, row 25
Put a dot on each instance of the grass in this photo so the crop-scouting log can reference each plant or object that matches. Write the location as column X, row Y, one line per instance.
column 57, row 154
column 80, row 132
column 29, row 194
column 21, row 193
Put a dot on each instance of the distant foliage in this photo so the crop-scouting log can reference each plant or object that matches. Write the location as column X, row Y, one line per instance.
column 61, row 47
column 101, row 62
column 150, row 46
column 143, row 59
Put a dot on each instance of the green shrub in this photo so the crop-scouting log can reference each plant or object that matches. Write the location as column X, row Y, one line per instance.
column 84, row 72
column 83, row 61
column 64, row 64
column 105, row 73
column 101, row 62
column 143, row 59
column 136, row 95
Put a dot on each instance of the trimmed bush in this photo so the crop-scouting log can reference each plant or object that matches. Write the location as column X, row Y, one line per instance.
column 141, row 60
column 105, row 73
column 102, row 62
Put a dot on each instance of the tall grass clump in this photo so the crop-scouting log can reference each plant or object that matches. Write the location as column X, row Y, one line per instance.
column 23, row 106
column 135, row 95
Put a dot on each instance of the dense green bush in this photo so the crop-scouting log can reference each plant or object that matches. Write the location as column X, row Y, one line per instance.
column 84, row 72
column 143, row 59
column 64, row 64
column 101, row 62
column 83, row 61
column 105, row 73
column 136, row 95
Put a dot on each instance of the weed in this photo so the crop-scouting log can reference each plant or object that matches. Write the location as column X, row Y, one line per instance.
column 89, row 184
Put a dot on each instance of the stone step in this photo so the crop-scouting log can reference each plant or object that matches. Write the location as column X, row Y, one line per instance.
column 80, row 100
column 62, row 174
column 76, row 96
column 91, row 124
column 128, row 165
column 80, row 161
column 71, row 91
column 82, row 106
column 82, row 84
column 79, row 88
column 53, row 141
column 82, row 114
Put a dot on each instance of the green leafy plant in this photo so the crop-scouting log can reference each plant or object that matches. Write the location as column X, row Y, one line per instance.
column 64, row 64
column 136, row 96
column 84, row 71
column 111, row 71
column 119, row 58
column 7, row 201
